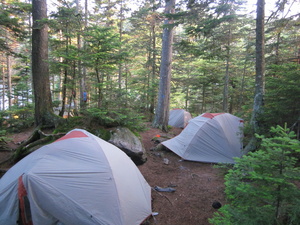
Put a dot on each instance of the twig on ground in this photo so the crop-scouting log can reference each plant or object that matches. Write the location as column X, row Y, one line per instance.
column 163, row 196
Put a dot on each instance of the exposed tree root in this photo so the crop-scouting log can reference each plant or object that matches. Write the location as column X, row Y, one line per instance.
column 3, row 171
column 37, row 139
column 8, row 159
column 3, row 146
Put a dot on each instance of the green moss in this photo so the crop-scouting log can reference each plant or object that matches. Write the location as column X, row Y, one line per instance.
column 102, row 133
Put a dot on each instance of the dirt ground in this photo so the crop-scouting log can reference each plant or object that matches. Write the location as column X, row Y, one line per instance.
column 197, row 185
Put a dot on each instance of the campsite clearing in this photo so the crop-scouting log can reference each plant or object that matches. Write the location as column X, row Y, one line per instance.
column 197, row 184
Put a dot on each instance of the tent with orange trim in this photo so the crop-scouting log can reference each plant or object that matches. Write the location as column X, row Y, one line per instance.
column 79, row 179
column 210, row 137
column 179, row 118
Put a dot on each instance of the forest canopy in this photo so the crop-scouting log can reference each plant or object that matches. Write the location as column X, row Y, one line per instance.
column 106, row 55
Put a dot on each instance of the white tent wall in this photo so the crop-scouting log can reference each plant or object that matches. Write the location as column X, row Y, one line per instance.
column 132, row 200
column 215, row 140
column 9, row 204
column 82, row 180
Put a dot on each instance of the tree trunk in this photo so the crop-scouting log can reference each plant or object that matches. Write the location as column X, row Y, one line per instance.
column 64, row 93
column 83, row 88
column 3, row 86
column 226, row 77
column 226, row 82
column 79, row 63
column 73, row 99
column 9, row 92
column 242, row 88
column 153, row 64
column 99, row 87
column 120, row 50
column 162, row 111
column 203, row 105
column 258, row 104
column 40, row 68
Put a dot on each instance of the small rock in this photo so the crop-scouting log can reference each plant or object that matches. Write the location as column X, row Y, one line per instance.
column 166, row 161
column 216, row 205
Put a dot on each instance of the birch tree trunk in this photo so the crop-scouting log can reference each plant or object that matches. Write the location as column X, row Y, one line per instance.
column 161, row 118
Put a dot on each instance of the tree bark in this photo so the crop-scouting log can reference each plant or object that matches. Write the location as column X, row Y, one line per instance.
column 9, row 86
column 83, row 88
column 258, row 104
column 40, row 67
column 153, row 57
column 3, row 86
column 226, row 77
column 162, row 111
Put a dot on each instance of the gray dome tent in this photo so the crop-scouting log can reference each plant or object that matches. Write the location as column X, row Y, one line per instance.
column 210, row 137
column 79, row 179
column 179, row 118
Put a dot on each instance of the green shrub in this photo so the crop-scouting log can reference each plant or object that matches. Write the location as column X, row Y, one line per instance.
column 123, row 117
column 70, row 124
column 102, row 133
column 261, row 188
column 18, row 118
column 282, row 95
column 3, row 138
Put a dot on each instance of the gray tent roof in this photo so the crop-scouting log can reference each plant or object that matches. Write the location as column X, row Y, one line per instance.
column 210, row 137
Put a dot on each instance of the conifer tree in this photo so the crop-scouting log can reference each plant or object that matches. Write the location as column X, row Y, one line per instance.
column 40, row 67
column 261, row 188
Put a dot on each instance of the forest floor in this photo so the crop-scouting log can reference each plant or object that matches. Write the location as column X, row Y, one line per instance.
column 197, row 185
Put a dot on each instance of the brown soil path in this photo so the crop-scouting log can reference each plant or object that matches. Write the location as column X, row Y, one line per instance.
column 197, row 185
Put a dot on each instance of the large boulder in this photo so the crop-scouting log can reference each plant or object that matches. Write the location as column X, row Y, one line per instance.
column 124, row 139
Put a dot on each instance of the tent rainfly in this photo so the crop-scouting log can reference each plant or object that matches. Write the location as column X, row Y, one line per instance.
column 179, row 118
column 210, row 137
column 79, row 179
